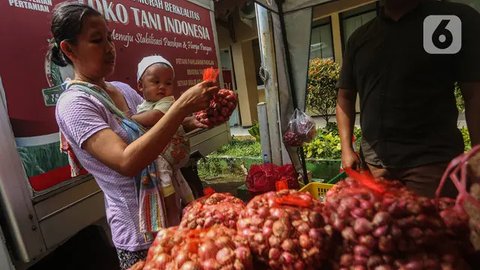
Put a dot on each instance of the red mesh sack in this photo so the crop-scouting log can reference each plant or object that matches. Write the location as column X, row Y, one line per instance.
column 466, row 203
column 262, row 178
column 285, row 230
column 290, row 174
column 217, row 247
column 218, row 208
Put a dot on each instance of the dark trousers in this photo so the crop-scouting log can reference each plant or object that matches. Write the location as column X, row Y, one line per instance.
column 422, row 179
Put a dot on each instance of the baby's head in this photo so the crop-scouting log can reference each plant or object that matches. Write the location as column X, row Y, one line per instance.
column 155, row 78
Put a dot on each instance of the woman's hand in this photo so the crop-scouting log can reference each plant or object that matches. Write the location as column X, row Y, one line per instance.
column 197, row 97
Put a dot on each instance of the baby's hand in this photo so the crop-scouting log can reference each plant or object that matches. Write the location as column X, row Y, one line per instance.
column 190, row 123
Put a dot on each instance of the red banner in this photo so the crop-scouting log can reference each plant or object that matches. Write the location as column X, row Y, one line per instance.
column 178, row 30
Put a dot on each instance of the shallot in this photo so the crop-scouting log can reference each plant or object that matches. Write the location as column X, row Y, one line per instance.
column 217, row 247
column 218, row 208
column 285, row 230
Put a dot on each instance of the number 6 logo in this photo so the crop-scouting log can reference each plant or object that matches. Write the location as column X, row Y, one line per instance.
column 442, row 34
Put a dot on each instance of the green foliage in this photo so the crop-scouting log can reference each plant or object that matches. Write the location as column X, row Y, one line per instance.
column 331, row 127
column 459, row 99
column 210, row 167
column 321, row 87
column 224, row 166
column 255, row 131
column 240, row 148
column 357, row 133
column 466, row 138
column 325, row 145
column 231, row 159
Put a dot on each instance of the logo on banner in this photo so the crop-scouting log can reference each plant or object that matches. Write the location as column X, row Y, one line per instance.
column 442, row 34
column 55, row 76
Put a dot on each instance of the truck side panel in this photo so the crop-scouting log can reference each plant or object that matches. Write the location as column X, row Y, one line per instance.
column 16, row 200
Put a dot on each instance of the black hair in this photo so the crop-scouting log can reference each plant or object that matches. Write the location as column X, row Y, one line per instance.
column 67, row 24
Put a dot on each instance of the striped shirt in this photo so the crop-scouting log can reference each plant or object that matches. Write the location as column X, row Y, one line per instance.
column 79, row 116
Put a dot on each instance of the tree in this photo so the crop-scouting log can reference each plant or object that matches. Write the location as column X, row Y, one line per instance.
column 321, row 87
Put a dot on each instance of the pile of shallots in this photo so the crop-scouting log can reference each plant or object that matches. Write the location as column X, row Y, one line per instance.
column 218, row 208
column 220, row 108
column 388, row 227
column 285, row 230
column 300, row 129
column 222, row 104
column 217, row 247
column 372, row 224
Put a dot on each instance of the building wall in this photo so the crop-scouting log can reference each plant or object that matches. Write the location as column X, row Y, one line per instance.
column 336, row 7
column 245, row 78
column 244, row 32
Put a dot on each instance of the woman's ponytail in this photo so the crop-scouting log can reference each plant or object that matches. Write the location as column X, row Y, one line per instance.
column 56, row 55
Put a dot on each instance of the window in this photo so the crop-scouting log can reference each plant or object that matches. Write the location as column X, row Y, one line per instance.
column 321, row 44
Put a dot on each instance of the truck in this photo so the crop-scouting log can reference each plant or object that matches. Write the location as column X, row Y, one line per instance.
column 42, row 206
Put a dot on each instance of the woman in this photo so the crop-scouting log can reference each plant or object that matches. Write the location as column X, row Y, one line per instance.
column 97, row 135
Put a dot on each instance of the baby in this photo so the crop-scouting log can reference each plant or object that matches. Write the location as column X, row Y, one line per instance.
column 155, row 77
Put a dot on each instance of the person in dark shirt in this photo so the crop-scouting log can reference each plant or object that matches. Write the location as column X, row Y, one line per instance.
column 408, row 113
